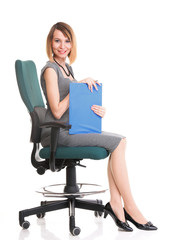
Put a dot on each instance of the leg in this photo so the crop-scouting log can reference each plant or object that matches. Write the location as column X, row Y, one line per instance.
column 121, row 184
column 115, row 201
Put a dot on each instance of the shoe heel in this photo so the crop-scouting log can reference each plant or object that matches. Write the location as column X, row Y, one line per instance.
column 105, row 213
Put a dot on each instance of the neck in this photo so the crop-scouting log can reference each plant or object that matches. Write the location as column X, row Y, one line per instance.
column 60, row 61
column 66, row 71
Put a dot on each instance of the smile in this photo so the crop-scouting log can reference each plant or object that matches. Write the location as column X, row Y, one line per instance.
column 62, row 52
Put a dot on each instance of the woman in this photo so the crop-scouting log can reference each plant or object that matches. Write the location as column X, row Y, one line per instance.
column 55, row 79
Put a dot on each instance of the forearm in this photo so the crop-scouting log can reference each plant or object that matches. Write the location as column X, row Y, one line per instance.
column 61, row 108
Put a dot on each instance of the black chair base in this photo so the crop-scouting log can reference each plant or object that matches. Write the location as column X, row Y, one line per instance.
column 71, row 203
column 72, row 194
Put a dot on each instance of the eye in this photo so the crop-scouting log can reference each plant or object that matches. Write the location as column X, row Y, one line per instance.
column 67, row 41
column 57, row 40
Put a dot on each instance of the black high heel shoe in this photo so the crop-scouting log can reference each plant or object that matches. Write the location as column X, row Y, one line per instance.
column 122, row 225
column 147, row 226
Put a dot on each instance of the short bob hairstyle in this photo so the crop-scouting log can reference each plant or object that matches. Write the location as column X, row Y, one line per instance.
column 68, row 32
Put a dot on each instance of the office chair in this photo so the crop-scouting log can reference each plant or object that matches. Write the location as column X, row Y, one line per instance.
column 55, row 158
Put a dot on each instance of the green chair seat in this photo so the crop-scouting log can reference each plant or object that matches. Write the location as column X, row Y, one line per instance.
column 75, row 153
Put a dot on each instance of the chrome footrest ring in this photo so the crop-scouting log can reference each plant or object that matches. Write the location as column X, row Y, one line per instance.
column 52, row 190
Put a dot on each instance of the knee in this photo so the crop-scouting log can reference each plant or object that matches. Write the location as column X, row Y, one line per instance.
column 123, row 142
column 121, row 146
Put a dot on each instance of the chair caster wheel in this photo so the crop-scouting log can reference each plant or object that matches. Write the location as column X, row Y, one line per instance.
column 98, row 213
column 41, row 215
column 25, row 225
column 75, row 231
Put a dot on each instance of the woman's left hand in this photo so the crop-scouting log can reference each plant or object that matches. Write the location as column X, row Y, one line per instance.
column 99, row 110
column 91, row 83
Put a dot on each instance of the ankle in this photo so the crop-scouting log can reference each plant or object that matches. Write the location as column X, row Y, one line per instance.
column 118, row 210
column 130, row 206
column 135, row 213
column 116, row 202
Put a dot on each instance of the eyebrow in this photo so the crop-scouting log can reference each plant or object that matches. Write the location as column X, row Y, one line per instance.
column 56, row 38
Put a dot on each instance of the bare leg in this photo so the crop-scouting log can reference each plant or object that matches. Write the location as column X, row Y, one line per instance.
column 115, row 201
column 119, row 185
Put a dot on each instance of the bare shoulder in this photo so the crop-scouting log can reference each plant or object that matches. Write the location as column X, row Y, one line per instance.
column 50, row 73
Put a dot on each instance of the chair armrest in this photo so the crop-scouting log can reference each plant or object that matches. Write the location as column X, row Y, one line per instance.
column 56, row 124
column 55, row 129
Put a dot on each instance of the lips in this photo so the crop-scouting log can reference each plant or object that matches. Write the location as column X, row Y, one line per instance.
column 62, row 52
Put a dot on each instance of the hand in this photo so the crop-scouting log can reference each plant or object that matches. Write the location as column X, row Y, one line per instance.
column 99, row 110
column 91, row 82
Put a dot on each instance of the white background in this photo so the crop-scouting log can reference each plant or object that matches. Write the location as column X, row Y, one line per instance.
column 128, row 46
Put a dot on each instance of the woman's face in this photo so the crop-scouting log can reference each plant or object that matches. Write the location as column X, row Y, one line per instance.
column 61, row 45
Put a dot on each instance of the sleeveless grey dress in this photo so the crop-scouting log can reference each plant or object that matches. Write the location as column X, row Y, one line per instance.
column 107, row 140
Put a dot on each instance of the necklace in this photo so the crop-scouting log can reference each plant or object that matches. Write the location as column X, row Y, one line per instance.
column 68, row 74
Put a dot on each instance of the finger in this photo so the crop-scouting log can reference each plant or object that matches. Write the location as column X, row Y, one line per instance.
column 95, row 86
column 98, row 112
column 98, row 83
column 94, row 107
column 90, row 87
column 97, row 107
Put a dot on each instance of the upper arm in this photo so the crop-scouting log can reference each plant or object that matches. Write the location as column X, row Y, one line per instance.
column 52, row 89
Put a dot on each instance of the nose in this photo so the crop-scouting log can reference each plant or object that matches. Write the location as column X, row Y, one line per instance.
column 62, row 45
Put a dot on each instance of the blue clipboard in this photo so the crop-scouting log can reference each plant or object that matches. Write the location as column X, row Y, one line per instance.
column 81, row 117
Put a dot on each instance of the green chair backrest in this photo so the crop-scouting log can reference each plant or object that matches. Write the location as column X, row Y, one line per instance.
column 28, row 84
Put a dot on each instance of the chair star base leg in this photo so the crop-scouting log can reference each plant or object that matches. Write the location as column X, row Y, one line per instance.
column 70, row 203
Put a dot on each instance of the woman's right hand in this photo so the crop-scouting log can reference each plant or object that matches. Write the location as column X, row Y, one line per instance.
column 99, row 110
column 91, row 82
